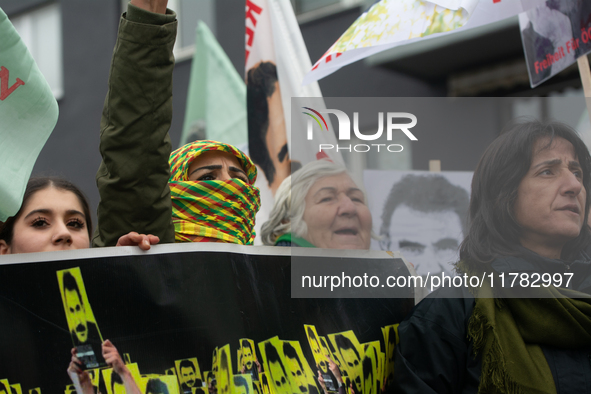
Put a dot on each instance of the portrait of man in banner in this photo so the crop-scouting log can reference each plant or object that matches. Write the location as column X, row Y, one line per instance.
column 370, row 368
column 319, row 355
column 243, row 384
column 225, row 373
column 423, row 215
column 248, row 359
column 390, row 339
column 267, row 137
column 113, row 381
column 298, row 370
column 274, row 365
column 188, row 373
column 350, row 354
column 84, row 331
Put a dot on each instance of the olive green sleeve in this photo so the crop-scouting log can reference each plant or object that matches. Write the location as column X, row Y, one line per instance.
column 134, row 143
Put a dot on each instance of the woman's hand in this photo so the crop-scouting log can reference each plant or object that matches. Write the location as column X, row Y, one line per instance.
column 75, row 368
column 142, row 240
column 112, row 357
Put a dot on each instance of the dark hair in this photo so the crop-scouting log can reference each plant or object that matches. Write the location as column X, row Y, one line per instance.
column 71, row 284
column 156, row 386
column 494, row 230
column 260, row 84
column 290, row 352
column 425, row 193
column 240, row 381
column 33, row 186
column 246, row 343
column 224, row 363
column 312, row 335
column 367, row 367
column 345, row 343
column 187, row 364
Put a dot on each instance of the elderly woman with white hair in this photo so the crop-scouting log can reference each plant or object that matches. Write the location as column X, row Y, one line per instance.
column 319, row 206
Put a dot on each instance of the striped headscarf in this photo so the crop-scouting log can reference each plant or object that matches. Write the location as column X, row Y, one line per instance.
column 212, row 211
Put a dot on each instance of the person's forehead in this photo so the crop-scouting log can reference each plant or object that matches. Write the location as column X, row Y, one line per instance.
column 340, row 182
column 559, row 149
column 72, row 295
column 57, row 200
column 411, row 224
column 214, row 158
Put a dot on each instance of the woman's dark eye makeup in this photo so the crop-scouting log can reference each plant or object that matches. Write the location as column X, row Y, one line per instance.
column 39, row 222
column 76, row 223
column 211, row 176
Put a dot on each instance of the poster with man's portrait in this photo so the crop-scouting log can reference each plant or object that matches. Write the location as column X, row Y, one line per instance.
column 350, row 352
column 188, row 373
column 320, row 354
column 274, row 365
column 371, row 378
column 554, row 35
column 114, row 383
column 243, row 384
column 248, row 359
column 390, row 339
column 224, row 370
column 298, row 370
column 82, row 325
column 422, row 214
column 159, row 384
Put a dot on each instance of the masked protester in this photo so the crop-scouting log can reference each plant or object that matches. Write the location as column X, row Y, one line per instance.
column 213, row 197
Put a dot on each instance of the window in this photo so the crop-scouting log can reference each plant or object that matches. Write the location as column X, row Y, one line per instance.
column 41, row 31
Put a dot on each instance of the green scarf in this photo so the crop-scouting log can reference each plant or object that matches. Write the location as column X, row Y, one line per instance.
column 295, row 241
column 508, row 333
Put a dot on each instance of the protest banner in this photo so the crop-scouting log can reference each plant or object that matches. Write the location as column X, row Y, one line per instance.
column 554, row 35
column 276, row 61
column 181, row 302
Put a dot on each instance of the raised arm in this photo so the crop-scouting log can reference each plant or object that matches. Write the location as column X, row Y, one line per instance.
column 134, row 142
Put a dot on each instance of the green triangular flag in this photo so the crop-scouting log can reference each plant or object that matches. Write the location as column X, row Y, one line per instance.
column 28, row 114
column 216, row 101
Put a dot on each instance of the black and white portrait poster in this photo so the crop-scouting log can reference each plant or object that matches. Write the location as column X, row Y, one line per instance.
column 421, row 214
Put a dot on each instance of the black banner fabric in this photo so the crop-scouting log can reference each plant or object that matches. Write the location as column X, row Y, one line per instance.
column 169, row 304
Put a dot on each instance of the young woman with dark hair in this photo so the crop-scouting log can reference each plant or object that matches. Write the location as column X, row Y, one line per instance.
column 528, row 211
column 54, row 215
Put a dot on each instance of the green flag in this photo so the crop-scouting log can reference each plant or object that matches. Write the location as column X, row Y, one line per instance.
column 28, row 114
column 216, row 102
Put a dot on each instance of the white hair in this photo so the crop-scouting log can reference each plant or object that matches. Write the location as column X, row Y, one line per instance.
column 287, row 215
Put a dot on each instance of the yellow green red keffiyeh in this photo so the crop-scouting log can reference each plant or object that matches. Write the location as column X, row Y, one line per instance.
column 212, row 211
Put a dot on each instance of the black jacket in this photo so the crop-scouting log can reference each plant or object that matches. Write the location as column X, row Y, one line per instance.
column 435, row 355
